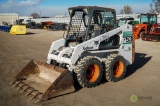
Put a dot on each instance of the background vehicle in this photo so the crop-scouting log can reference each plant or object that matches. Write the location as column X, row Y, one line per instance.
column 146, row 22
column 153, row 34
column 123, row 21
column 91, row 48
column 26, row 21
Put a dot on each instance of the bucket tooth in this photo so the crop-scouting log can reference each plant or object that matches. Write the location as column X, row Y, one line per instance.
column 23, row 86
column 29, row 92
column 24, row 90
column 12, row 82
column 18, row 88
column 37, row 101
column 20, row 85
column 34, row 95
column 16, row 83
column 31, row 97
column 39, row 96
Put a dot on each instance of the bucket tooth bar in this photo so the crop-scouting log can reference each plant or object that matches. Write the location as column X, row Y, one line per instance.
column 25, row 88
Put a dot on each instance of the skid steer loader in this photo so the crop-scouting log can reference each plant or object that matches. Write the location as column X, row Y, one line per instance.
column 93, row 46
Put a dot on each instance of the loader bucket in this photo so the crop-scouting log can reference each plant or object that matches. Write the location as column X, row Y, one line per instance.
column 43, row 81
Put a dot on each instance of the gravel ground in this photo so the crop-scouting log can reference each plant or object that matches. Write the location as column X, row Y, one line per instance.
column 141, row 80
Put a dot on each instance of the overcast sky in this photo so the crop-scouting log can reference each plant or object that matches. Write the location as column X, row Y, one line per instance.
column 59, row 7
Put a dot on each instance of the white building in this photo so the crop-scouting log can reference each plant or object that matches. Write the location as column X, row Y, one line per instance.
column 10, row 18
column 135, row 16
column 25, row 17
column 59, row 19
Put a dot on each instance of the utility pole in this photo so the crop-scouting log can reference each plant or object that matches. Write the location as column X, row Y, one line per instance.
column 40, row 14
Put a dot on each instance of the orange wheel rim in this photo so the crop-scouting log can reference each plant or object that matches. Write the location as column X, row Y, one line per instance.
column 92, row 72
column 118, row 69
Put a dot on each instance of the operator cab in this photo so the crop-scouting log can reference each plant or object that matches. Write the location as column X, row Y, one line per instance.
column 149, row 19
column 87, row 22
column 123, row 21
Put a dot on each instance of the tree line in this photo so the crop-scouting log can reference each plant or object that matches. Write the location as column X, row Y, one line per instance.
column 127, row 9
column 154, row 8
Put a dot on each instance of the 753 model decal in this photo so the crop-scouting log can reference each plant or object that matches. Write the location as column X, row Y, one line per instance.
column 127, row 39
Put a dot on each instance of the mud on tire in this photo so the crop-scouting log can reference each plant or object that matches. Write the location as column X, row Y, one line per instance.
column 115, row 67
column 88, row 72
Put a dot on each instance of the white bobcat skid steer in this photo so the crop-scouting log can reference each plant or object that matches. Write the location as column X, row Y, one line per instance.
column 93, row 46
column 94, row 40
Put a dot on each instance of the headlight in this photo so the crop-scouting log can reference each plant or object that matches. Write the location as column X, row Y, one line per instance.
column 135, row 27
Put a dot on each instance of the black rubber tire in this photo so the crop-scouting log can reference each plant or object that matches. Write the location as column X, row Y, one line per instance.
column 141, row 34
column 88, row 72
column 115, row 67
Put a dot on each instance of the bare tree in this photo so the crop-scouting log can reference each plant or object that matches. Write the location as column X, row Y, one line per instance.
column 126, row 10
column 156, row 4
column 35, row 15
column 151, row 8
